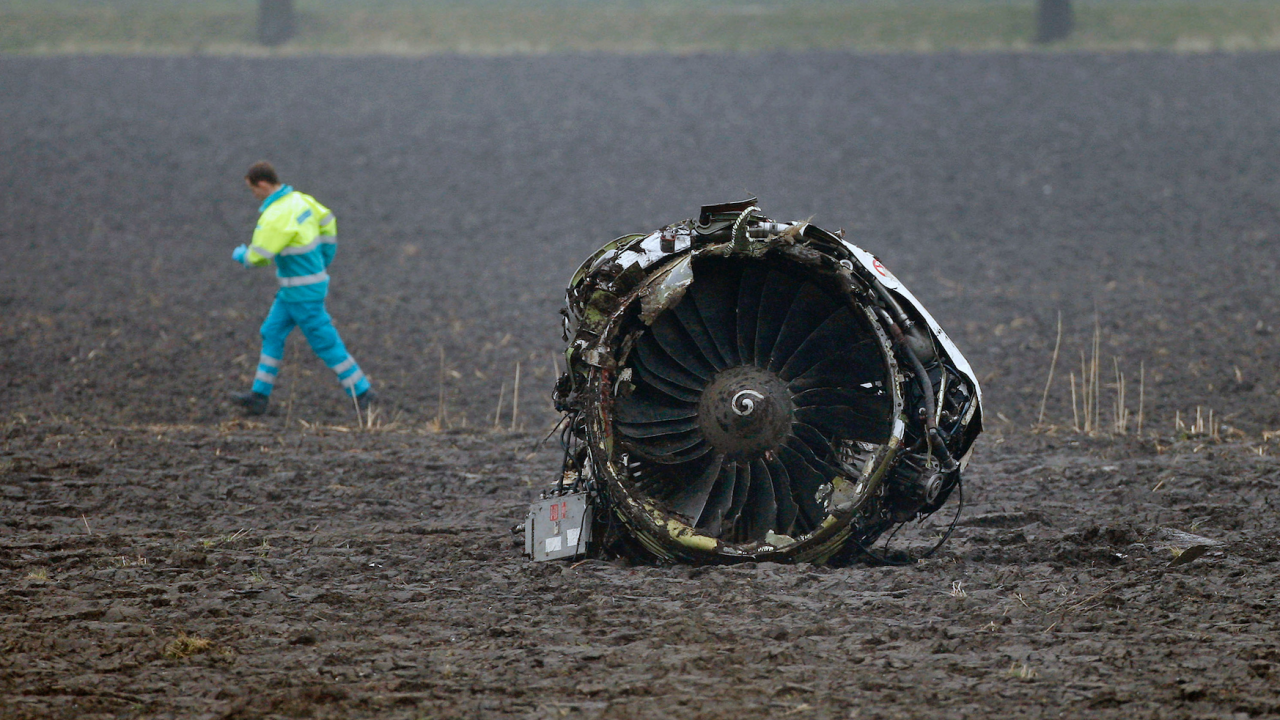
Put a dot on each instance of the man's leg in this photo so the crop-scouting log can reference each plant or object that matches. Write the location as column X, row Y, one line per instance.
column 316, row 324
column 275, row 330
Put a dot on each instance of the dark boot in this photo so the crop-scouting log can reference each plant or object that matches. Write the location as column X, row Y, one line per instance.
column 254, row 403
column 366, row 399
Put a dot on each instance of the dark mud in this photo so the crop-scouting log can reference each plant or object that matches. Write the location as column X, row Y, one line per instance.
column 162, row 558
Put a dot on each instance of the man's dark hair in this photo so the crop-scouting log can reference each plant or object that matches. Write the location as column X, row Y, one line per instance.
column 262, row 171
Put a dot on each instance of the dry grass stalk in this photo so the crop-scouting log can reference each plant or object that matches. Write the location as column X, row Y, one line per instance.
column 1021, row 672
column 1097, row 348
column 372, row 419
column 184, row 646
column 1057, row 344
column 1086, row 395
column 1211, row 426
column 1120, row 412
column 1089, row 390
column 224, row 539
column 1075, row 413
column 497, row 414
column 1204, row 425
column 356, row 403
column 515, row 397
column 1090, row 383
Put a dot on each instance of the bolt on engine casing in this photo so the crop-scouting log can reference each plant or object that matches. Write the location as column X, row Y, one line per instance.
column 744, row 389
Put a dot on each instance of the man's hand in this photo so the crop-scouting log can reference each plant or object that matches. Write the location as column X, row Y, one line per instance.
column 239, row 254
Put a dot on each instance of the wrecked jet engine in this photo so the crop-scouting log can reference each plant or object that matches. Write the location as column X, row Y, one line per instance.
column 742, row 389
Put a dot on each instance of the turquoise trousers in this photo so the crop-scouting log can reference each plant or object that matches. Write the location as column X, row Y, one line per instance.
column 317, row 327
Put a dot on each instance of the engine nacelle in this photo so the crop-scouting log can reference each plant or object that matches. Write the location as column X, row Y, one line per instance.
column 743, row 389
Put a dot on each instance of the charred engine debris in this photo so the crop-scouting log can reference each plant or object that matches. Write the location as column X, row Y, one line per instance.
column 743, row 389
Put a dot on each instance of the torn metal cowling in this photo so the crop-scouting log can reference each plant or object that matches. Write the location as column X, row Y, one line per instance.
column 744, row 389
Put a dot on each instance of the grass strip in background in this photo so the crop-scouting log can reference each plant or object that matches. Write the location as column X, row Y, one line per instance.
column 634, row 26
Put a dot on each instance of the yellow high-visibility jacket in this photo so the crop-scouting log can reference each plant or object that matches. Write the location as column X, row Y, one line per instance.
column 301, row 235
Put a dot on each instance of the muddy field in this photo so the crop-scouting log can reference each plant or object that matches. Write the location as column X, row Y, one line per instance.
column 163, row 557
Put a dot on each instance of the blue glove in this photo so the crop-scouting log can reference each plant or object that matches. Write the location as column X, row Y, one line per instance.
column 239, row 254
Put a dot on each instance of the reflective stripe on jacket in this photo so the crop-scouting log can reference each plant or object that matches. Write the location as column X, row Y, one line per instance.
column 300, row 234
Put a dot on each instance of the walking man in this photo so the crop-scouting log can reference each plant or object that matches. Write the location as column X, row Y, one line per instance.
column 301, row 235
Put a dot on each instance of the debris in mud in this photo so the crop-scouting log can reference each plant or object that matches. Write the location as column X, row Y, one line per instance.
column 744, row 389
column 184, row 646
column 1183, row 539
column 1182, row 557
column 1186, row 547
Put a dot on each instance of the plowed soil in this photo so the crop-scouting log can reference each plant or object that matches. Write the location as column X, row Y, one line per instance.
column 163, row 557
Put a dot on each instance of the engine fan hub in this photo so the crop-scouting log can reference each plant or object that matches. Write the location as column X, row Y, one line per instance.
column 745, row 411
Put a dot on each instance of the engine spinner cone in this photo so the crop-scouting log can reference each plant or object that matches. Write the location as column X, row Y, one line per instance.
column 744, row 412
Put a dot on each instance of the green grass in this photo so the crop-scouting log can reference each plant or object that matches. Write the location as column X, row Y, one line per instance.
column 628, row 26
